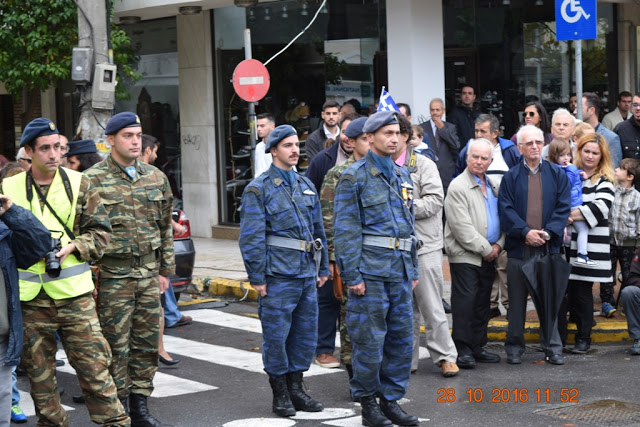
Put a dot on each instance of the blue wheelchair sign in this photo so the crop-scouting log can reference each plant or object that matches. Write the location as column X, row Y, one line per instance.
column 576, row 19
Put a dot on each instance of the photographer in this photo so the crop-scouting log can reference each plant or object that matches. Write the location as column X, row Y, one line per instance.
column 23, row 240
column 56, row 290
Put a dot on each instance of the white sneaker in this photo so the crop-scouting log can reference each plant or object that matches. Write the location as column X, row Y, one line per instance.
column 584, row 262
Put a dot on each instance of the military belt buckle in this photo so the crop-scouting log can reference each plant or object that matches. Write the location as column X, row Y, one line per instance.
column 305, row 246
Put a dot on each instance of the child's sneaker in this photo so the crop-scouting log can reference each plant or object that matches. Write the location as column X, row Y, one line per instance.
column 17, row 416
column 607, row 309
column 584, row 261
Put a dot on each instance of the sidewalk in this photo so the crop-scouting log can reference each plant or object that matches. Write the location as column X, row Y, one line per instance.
column 219, row 268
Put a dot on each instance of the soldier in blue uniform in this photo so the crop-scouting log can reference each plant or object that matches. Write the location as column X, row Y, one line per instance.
column 284, row 251
column 376, row 248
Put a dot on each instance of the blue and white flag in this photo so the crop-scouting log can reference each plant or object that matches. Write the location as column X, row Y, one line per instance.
column 386, row 102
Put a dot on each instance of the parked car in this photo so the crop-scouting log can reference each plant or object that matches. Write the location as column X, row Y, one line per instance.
column 185, row 252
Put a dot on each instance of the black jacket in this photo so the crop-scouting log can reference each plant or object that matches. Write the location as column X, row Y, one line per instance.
column 629, row 133
column 465, row 120
column 320, row 165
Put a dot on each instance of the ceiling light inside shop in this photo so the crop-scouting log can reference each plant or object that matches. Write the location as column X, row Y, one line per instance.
column 506, row 2
column 267, row 14
column 245, row 3
column 252, row 16
column 304, row 8
column 190, row 10
column 539, row 2
column 128, row 20
column 285, row 13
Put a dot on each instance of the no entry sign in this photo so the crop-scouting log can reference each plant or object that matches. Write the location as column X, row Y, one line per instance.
column 251, row 80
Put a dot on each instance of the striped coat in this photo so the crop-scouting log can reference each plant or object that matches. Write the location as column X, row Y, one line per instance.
column 597, row 199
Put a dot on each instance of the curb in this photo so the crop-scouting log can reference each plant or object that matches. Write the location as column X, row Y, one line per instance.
column 603, row 332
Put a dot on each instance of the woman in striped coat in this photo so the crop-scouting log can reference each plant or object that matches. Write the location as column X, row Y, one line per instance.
column 593, row 157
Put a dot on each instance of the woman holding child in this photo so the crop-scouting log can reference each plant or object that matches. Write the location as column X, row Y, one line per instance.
column 593, row 157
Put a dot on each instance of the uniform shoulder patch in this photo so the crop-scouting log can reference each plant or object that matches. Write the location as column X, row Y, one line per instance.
column 253, row 190
column 347, row 177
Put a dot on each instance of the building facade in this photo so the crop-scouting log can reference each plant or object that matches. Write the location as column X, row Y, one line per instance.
column 417, row 49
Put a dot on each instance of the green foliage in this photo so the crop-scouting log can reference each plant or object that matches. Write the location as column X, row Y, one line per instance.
column 124, row 55
column 36, row 42
column 36, row 37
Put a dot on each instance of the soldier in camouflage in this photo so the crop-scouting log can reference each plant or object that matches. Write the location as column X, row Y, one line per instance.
column 375, row 250
column 280, row 229
column 137, row 262
column 361, row 146
column 60, row 300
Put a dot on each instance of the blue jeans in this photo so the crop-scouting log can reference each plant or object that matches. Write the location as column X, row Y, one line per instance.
column 15, row 394
column 171, row 313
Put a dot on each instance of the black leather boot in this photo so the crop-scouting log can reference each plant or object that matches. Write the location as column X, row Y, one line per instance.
column 139, row 413
column 372, row 416
column 282, row 405
column 301, row 400
column 124, row 401
column 394, row 412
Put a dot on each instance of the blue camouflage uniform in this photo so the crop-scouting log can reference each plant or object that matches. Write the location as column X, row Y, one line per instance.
column 380, row 321
column 289, row 311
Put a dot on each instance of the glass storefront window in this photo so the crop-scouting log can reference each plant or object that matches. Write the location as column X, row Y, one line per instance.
column 334, row 59
column 509, row 54
column 155, row 96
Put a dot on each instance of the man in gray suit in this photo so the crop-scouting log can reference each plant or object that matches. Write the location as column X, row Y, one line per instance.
column 443, row 139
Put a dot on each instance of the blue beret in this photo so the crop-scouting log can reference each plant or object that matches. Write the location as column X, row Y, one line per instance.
column 380, row 119
column 121, row 121
column 355, row 127
column 81, row 147
column 277, row 135
column 37, row 127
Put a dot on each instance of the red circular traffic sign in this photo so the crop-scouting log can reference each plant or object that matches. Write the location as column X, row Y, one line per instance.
column 251, row 80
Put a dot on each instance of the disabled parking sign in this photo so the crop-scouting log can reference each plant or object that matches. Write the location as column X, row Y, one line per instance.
column 576, row 20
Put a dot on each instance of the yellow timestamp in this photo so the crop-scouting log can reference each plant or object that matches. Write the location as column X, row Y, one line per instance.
column 509, row 395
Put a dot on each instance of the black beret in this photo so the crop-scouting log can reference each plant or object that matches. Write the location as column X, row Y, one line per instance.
column 380, row 119
column 81, row 147
column 277, row 135
column 36, row 128
column 121, row 121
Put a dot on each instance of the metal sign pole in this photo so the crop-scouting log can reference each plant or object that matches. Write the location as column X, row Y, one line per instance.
column 252, row 105
column 578, row 48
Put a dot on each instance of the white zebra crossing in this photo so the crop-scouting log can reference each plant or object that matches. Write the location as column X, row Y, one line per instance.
column 166, row 385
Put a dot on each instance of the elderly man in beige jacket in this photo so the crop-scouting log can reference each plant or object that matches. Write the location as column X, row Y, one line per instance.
column 428, row 199
column 473, row 240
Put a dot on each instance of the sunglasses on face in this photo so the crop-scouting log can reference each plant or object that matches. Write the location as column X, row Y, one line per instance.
column 530, row 114
column 26, row 160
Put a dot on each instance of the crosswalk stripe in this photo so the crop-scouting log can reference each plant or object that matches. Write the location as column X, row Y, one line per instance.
column 227, row 356
column 249, row 324
column 29, row 409
column 164, row 385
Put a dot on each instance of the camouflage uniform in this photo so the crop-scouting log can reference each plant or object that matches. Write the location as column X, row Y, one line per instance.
column 141, row 247
column 380, row 321
column 327, row 194
column 289, row 311
column 77, row 322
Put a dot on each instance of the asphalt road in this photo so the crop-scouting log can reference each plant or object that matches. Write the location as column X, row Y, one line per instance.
column 220, row 382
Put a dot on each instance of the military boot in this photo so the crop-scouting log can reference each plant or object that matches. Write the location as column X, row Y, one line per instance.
column 301, row 400
column 282, row 405
column 125, row 405
column 372, row 416
column 394, row 412
column 139, row 413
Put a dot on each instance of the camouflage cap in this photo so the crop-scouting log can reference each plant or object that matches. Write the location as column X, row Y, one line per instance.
column 121, row 121
column 36, row 128
column 277, row 135
column 380, row 119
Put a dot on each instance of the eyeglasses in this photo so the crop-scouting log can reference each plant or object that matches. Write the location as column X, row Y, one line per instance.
column 530, row 113
column 25, row 159
column 535, row 141
column 635, row 105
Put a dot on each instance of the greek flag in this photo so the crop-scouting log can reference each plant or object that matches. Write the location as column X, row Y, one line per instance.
column 386, row 102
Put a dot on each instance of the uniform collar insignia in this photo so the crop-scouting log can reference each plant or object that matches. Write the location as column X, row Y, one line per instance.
column 374, row 171
column 277, row 181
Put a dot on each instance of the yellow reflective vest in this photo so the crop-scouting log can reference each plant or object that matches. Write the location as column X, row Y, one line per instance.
column 75, row 277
